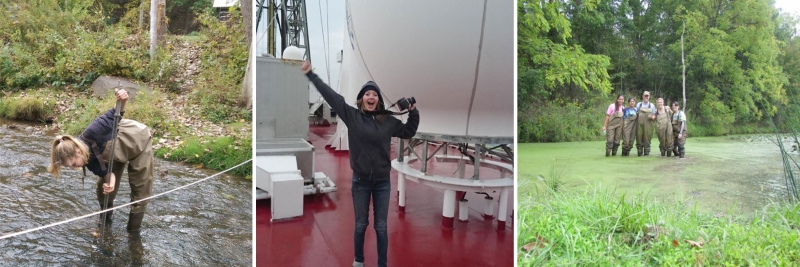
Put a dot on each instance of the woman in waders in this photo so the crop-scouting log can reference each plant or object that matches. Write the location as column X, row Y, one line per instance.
column 629, row 127
column 614, row 130
column 678, row 129
column 644, row 123
column 370, row 129
column 88, row 151
column 664, row 128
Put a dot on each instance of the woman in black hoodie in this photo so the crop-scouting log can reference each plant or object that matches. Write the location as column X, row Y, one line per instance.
column 370, row 131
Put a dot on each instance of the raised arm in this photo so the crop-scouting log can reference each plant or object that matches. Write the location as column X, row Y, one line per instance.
column 408, row 129
column 335, row 100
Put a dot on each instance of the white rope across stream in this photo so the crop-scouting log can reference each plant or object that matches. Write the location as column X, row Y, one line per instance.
column 120, row 206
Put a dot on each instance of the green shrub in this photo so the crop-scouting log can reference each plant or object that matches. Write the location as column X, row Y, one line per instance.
column 219, row 153
column 68, row 43
column 598, row 228
column 26, row 108
column 553, row 122
column 144, row 108
column 223, row 63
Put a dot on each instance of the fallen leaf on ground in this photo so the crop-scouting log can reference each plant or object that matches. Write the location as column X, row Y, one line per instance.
column 675, row 243
column 695, row 243
column 27, row 175
column 540, row 243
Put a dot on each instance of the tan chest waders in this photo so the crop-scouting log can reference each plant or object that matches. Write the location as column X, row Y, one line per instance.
column 614, row 133
column 664, row 132
column 628, row 135
column 644, row 130
column 133, row 150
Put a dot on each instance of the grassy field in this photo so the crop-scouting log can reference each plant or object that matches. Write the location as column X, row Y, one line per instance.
column 723, row 205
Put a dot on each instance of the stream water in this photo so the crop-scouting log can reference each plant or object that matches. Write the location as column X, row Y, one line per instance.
column 208, row 224
column 719, row 174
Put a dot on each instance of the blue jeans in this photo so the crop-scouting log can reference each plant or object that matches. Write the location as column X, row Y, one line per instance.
column 379, row 191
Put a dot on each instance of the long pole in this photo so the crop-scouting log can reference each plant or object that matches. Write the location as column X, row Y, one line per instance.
column 111, row 164
column 683, row 62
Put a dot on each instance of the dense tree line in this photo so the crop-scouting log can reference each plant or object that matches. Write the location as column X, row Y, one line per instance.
column 742, row 62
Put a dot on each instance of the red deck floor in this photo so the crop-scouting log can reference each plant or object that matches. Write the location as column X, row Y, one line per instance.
column 323, row 236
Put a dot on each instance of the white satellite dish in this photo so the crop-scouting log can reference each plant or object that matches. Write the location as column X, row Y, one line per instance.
column 293, row 53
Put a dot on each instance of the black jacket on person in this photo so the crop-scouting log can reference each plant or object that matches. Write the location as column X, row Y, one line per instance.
column 369, row 138
column 95, row 137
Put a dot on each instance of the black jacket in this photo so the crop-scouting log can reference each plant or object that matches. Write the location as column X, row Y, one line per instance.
column 95, row 137
column 369, row 138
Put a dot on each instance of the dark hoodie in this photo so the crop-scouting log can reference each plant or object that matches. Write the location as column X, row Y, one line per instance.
column 369, row 138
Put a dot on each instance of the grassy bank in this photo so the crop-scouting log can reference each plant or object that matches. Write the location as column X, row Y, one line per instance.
column 190, row 139
column 599, row 228
column 54, row 50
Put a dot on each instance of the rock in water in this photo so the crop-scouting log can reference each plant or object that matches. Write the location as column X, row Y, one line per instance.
column 103, row 84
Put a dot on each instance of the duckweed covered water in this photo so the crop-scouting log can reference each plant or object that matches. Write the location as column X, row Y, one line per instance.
column 719, row 174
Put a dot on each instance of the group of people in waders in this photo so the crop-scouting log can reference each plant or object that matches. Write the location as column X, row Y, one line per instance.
column 637, row 120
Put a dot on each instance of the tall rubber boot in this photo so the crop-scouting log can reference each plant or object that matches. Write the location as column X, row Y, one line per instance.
column 669, row 153
column 608, row 152
column 135, row 222
column 135, row 248
column 108, row 214
column 614, row 152
column 663, row 152
column 640, row 151
column 647, row 151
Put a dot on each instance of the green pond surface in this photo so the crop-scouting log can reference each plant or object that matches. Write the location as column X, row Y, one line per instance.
column 719, row 174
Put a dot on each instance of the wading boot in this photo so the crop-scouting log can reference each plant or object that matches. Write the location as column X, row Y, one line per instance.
column 105, row 218
column 682, row 153
column 669, row 153
column 640, row 151
column 614, row 152
column 663, row 152
column 647, row 151
column 608, row 152
column 135, row 222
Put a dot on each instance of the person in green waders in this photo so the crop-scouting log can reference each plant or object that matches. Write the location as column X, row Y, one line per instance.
column 644, row 122
column 629, row 127
column 614, row 114
column 679, row 130
column 664, row 128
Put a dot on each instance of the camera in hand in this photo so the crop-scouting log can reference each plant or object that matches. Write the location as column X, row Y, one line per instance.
column 403, row 103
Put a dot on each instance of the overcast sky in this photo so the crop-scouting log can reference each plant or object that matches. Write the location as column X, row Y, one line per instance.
column 332, row 18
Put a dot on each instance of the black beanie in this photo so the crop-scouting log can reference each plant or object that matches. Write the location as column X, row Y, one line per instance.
column 370, row 85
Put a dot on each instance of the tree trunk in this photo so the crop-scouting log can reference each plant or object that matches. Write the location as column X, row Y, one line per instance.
column 158, row 24
column 247, row 85
column 153, row 27
column 141, row 16
column 162, row 20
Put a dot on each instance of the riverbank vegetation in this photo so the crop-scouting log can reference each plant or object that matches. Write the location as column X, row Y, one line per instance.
column 574, row 57
column 51, row 52
column 597, row 227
